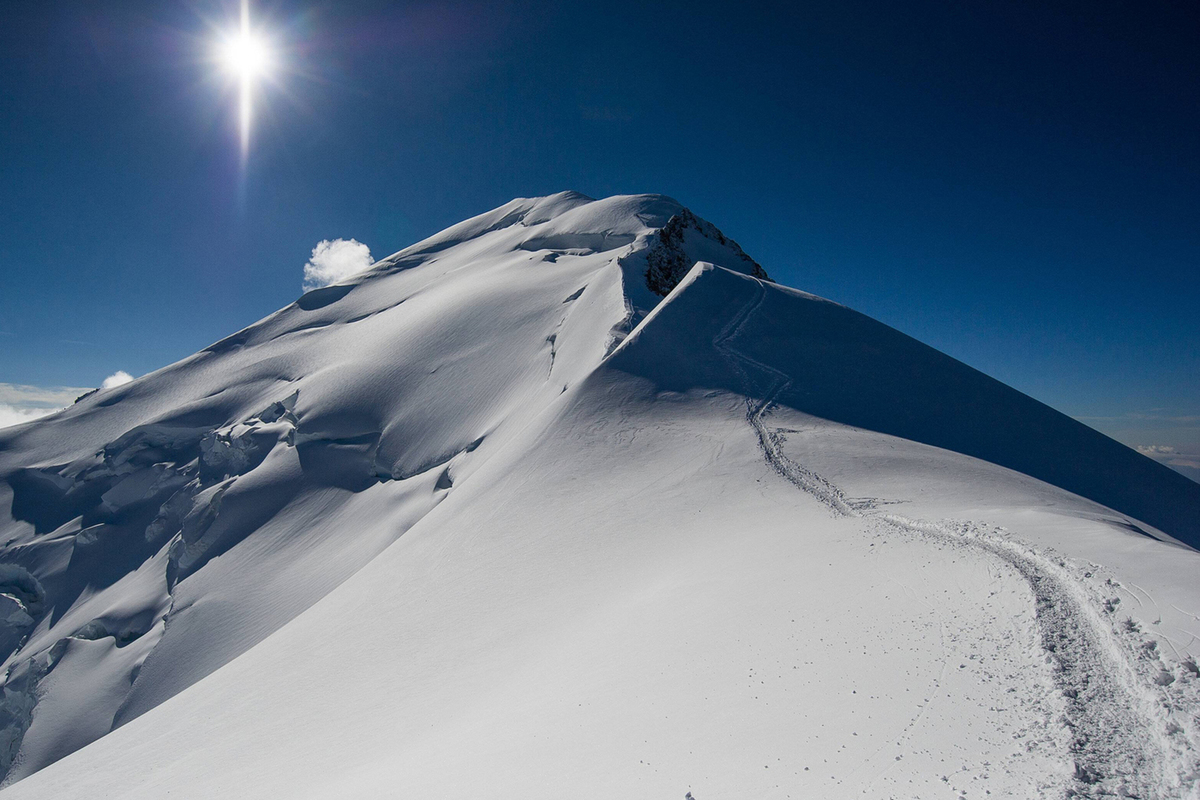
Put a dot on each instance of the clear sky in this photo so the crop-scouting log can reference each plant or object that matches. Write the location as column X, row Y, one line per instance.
column 1014, row 183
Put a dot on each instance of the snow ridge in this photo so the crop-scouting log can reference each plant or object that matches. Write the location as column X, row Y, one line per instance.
column 771, row 441
column 1130, row 735
column 505, row 389
column 387, row 384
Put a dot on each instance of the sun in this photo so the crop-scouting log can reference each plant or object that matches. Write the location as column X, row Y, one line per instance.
column 246, row 55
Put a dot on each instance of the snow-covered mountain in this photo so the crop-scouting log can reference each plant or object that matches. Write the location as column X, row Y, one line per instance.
column 497, row 519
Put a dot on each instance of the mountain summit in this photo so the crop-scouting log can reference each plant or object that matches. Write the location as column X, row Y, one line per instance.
column 571, row 499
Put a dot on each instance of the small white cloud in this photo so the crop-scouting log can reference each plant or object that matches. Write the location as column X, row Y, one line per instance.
column 334, row 261
column 118, row 378
column 1155, row 449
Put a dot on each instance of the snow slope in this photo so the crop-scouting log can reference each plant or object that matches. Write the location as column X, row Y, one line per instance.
column 491, row 519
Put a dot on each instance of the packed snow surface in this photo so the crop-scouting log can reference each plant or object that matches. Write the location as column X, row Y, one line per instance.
column 495, row 518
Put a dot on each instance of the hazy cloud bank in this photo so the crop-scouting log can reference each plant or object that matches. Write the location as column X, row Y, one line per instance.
column 1182, row 461
column 1140, row 416
column 1175, row 433
column 21, row 403
column 11, row 415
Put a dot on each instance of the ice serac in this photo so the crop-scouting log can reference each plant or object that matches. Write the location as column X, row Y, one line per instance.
column 565, row 500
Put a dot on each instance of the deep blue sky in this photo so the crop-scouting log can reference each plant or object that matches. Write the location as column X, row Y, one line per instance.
column 1015, row 183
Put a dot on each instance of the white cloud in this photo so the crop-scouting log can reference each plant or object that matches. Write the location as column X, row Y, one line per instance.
column 334, row 261
column 1185, row 461
column 118, row 378
column 21, row 403
column 22, row 396
column 11, row 415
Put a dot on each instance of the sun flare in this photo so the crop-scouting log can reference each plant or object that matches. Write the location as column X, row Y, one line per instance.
column 247, row 56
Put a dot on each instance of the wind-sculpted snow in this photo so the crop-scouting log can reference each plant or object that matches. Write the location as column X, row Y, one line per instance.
column 381, row 393
column 492, row 520
column 844, row 367
column 1131, row 734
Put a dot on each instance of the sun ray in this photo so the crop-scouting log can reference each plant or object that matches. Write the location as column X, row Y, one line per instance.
column 247, row 56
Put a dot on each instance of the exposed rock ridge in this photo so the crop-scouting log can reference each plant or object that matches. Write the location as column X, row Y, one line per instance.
column 667, row 260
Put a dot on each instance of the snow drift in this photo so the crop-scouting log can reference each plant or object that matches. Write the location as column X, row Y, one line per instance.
column 497, row 517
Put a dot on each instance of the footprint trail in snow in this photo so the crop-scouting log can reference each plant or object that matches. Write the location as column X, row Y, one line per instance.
column 1124, row 737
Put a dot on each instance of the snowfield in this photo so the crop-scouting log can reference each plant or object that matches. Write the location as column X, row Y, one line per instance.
column 495, row 518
